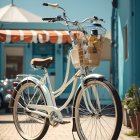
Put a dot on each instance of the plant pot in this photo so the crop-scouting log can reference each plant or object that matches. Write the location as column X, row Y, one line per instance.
column 133, row 123
column 138, row 122
column 126, row 115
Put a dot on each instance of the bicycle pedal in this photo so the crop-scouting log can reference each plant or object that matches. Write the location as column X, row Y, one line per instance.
column 64, row 122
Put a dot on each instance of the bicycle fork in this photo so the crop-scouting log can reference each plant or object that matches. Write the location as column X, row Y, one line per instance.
column 87, row 99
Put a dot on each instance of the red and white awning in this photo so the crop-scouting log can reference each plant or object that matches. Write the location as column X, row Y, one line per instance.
column 42, row 36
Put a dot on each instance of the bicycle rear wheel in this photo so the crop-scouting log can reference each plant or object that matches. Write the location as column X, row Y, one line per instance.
column 30, row 126
column 103, row 122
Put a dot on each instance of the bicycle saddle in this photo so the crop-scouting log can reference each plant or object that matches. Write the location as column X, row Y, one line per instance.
column 39, row 62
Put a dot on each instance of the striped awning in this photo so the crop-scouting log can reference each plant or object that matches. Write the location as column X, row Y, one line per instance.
column 42, row 36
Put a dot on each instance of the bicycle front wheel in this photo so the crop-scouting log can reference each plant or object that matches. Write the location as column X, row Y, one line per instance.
column 30, row 126
column 98, row 112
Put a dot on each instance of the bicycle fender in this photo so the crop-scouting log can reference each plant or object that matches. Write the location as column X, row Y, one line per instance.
column 86, row 79
column 93, row 77
column 43, row 88
column 11, row 102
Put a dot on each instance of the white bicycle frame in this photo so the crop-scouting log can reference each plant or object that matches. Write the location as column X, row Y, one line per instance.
column 51, row 95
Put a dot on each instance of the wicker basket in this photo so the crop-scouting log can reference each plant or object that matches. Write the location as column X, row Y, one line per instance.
column 87, row 55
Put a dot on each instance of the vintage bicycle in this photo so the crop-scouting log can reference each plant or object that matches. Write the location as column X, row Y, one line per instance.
column 96, row 108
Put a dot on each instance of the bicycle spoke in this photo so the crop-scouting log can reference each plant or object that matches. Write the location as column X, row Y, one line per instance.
column 91, row 130
column 100, row 131
column 107, row 123
column 22, row 96
column 106, row 106
column 88, row 125
column 38, row 99
column 99, row 125
column 29, row 125
column 32, row 96
column 106, row 132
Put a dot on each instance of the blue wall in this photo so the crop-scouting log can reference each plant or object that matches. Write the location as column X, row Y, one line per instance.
column 136, row 29
column 124, row 65
column 129, row 69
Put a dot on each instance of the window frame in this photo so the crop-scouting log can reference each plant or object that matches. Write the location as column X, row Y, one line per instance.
column 126, row 54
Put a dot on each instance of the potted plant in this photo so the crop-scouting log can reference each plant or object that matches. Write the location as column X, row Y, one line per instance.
column 132, row 116
column 137, row 109
column 128, row 106
column 126, row 112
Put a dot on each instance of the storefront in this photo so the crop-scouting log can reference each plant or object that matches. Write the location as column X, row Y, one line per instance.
column 18, row 47
column 22, row 41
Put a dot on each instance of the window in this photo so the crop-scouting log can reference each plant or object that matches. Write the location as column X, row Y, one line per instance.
column 126, row 42
column 14, row 61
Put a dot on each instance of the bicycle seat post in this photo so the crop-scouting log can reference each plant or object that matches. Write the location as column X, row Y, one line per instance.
column 49, row 85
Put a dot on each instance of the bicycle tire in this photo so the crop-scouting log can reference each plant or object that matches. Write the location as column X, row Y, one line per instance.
column 23, row 125
column 99, row 123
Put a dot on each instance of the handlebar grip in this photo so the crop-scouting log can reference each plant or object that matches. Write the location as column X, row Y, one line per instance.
column 102, row 20
column 51, row 5
column 95, row 17
column 49, row 19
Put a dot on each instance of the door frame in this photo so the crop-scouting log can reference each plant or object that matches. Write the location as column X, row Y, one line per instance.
column 3, row 56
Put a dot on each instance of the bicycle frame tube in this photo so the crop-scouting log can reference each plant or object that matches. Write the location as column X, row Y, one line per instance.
column 69, row 30
column 50, row 97
column 88, row 101
column 66, row 77
column 54, row 94
column 66, row 83
column 70, row 96
column 84, row 95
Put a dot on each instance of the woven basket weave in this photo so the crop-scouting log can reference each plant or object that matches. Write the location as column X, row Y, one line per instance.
column 87, row 55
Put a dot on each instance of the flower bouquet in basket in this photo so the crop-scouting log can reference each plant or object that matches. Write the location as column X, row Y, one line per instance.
column 87, row 52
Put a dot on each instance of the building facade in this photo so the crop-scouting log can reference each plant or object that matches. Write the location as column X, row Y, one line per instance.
column 125, row 46
column 15, row 56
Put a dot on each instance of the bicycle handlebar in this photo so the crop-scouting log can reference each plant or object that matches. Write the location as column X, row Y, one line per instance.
column 94, row 19
column 59, row 18
column 48, row 19
column 51, row 5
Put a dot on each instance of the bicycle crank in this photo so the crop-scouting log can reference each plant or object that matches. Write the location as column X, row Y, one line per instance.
column 54, row 120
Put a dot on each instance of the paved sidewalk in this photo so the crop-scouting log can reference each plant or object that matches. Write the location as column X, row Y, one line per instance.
column 62, row 132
